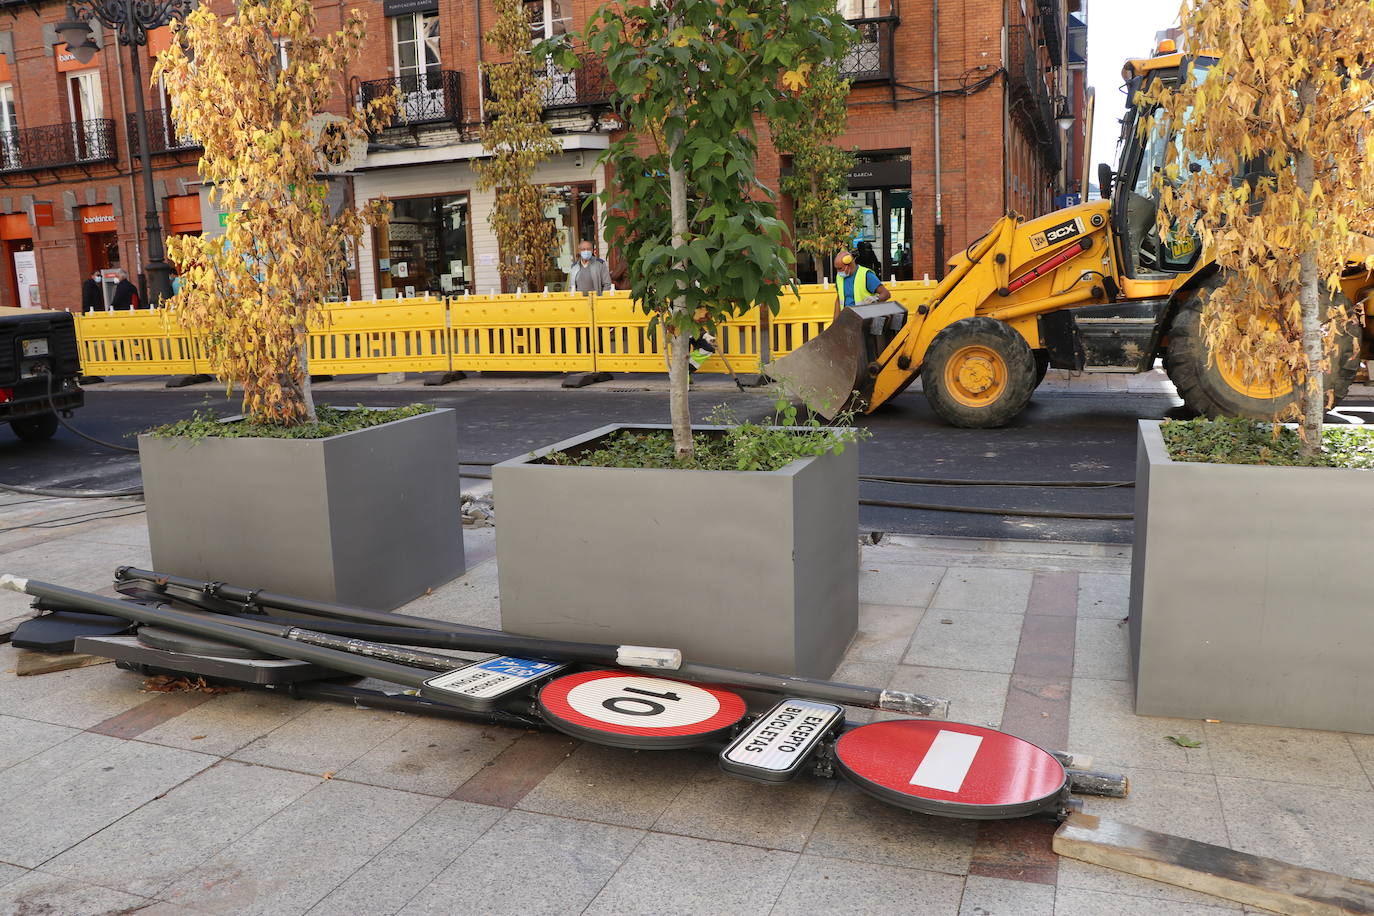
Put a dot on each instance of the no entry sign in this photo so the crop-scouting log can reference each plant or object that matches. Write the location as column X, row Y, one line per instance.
column 630, row 710
column 950, row 768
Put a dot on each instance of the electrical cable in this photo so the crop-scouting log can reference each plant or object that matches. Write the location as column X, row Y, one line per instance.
column 67, row 521
column 1020, row 513
column 958, row 482
column 52, row 404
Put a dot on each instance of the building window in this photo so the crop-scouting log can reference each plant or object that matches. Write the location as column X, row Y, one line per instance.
column 416, row 37
column 550, row 19
column 87, row 105
column 425, row 248
column 9, row 128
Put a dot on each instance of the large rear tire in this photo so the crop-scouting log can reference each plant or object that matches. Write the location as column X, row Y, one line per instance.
column 1218, row 390
column 978, row 373
column 35, row 429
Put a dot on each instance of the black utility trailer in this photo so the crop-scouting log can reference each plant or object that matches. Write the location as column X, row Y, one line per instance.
column 40, row 365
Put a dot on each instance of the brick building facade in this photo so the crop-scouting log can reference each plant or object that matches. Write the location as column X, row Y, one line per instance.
column 71, row 197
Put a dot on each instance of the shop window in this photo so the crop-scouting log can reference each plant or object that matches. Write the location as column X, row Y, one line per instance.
column 572, row 210
column 425, row 248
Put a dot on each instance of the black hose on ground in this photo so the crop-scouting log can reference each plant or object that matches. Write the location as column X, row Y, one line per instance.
column 1019, row 513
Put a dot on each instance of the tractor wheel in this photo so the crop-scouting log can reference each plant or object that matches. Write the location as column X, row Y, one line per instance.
column 35, row 429
column 978, row 373
column 1221, row 389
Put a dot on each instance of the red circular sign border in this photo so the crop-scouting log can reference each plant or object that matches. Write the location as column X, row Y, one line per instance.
column 732, row 707
column 896, row 732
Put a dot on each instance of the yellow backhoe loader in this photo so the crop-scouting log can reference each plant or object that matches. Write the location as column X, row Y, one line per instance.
column 1088, row 288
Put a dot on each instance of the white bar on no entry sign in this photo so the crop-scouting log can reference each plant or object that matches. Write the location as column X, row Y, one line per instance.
column 947, row 761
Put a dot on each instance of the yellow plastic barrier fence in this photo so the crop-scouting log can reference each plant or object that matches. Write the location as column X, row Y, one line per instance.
column 533, row 333
column 391, row 335
column 144, row 342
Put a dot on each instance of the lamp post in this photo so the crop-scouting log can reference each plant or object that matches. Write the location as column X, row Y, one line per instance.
column 131, row 20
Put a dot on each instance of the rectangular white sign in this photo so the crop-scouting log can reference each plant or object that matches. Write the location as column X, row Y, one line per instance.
column 491, row 678
column 778, row 739
column 947, row 761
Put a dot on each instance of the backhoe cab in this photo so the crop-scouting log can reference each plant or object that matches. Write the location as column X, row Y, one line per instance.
column 1090, row 288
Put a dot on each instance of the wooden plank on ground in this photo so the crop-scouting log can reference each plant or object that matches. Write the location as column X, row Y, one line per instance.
column 1214, row 870
column 33, row 662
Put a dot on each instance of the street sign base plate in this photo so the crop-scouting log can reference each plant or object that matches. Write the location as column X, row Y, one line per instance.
column 133, row 654
column 951, row 769
column 778, row 743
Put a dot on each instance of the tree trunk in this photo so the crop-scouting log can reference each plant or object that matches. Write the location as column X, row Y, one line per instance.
column 307, row 395
column 678, row 373
column 1309, row 300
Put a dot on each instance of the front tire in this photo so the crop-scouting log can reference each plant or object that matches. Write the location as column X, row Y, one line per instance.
column 1217, row 390
column 978, row 373
column 35, row 429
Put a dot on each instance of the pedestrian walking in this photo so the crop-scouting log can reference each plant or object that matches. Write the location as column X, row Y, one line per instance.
column 855, row 284
column 125, row 293
column 590, row 273
column 92, row 295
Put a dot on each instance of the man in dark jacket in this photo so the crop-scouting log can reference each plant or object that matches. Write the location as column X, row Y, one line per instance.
column 92, row 296
column 125, row 293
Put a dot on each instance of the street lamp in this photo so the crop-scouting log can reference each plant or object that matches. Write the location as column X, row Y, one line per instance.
column 1063, row 114
column 131, row 20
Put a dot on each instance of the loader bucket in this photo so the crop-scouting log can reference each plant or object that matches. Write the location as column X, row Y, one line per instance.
column 825, row 371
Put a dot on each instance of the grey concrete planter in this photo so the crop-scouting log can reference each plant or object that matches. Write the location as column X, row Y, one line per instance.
column 753, row 569
column 1250, row 592
column 367, row 518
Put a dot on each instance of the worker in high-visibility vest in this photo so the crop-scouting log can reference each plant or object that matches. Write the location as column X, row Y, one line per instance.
column 855, row 284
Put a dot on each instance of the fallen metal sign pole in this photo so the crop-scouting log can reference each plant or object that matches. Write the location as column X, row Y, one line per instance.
column 439, row 634
column 948, row 769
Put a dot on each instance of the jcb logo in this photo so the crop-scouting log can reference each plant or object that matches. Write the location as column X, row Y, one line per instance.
column 1056, row 234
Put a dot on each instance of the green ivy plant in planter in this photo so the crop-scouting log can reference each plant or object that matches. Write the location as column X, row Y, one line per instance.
column 351, row 506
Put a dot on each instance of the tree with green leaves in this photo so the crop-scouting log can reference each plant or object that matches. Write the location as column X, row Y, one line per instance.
column 822, row 221
column 517, row 139
column 692, row 77
column 252, row 294
column 1271, row 164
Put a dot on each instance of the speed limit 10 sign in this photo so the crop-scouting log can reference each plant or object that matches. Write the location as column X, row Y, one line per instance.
column 631, row 710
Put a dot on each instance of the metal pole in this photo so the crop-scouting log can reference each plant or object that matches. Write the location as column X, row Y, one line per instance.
column 457, row 636
column 157, row 270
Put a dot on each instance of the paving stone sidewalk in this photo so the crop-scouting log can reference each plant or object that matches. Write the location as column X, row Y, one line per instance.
column 117, row 800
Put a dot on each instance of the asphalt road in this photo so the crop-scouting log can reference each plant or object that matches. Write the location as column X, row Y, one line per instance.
column 1060, row 437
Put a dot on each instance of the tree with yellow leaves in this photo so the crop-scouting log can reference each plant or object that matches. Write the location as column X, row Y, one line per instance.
column 517, row 140
column 1270, row 164
column 246, row 87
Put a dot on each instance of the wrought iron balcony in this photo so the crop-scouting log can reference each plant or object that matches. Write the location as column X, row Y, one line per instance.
column 585, row 86
column 1031, row 101
column 163, row 135
column 432, row 97
column 57, row 145
column 870, row 58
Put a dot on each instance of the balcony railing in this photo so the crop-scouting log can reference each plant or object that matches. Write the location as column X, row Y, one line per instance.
column 163, row 135
column 1030, row 96
column 57, row 145
column 432, row 97
column 585, row 86
column 870, row 57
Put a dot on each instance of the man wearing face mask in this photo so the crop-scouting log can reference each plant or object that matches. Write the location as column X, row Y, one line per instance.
column 855, row 284
column 589, row 273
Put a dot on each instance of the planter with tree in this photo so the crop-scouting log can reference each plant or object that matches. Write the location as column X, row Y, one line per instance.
column 1248, row 599
column 354, row 506
column 743, row 557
